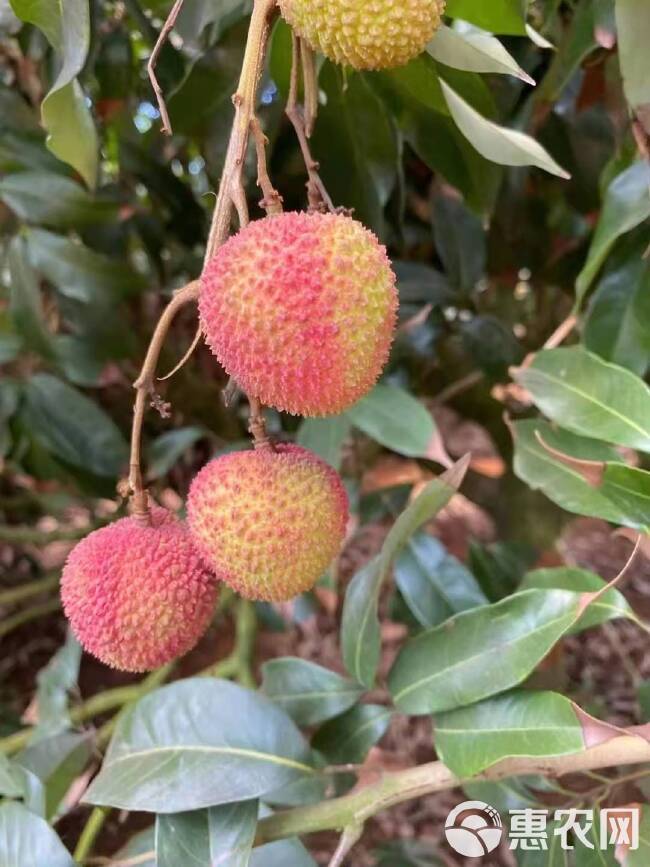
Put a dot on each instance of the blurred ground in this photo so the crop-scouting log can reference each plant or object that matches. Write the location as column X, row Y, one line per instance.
column 603, row 666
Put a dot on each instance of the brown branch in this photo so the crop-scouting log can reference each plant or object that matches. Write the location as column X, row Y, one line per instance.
column 231, row 194
column 272, row 201
column 144, row 391
column 168, row 26
column 244, row 101
column 303, row 121
column 185, row 358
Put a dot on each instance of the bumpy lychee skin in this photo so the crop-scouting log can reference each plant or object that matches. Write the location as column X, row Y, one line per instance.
column 365, row 34
column 138, row 596
column 268, row 522
column 300, row 309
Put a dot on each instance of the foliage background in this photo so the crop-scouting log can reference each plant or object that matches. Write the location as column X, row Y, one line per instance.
column 99, row 228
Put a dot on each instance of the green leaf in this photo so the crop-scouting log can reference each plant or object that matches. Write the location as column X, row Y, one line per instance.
column 394, row 418
column 11, row 784
column 415, row 98
column 308, row 692
column 205, row 838
column 349, row 738
column 609, row 606
column 325, row 437
column 633, row 29
column 474, row 51
column 26, row 839
column 282, row 854
column 77, row 271
column 25, row 305
column 499, row 16
column 626, row 205
column 73, row 428
column 506, row 147
column 169, row 448
column 53, row 764
column 520, row 723
column 66, row 116
column 565, row 485
column 461, row 242
column 434, row 584
column 360, row 634
column 53, row 200
column 617, row 325
column 139, row 846
column 356, row 144
column 590, row 397
column 444, row 668
column 232, row 743
column 55, row 681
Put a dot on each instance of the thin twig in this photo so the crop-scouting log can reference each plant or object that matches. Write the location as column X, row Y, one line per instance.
column 144, row 389
column 272, row 200
column 186, row 357
column 317, row 195
column 349, row 838
column 168, row 26
column 310, row 84
column 561, row 332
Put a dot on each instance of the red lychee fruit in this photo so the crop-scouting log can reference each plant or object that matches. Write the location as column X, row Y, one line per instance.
column 300, row 309
column 269, row 522
column 137, row 595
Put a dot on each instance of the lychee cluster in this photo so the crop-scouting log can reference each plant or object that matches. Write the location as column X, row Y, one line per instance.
column 137, row 594
column 376, row 34
column 300, row 309
column 269, row 522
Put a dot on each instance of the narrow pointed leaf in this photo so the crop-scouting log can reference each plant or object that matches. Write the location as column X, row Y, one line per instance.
column 589, row 396
column 626, row 205
column 207, row 838
column 520, row 723
column 26, row 839
column 444, row 668
column 360, row 634
column 308, row 692
column 621, row 496
column 349, row 738
column 506, row 147
column 232, row 743
column 474, row 51
column 72, row 136
column 394, row 418
column 609, row 606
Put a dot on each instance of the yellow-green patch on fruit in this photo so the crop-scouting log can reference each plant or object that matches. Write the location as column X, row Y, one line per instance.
column 269, row 522
column 365, row 34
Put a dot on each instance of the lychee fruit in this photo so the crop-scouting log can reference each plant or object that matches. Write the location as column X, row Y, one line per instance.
column 376, row 34
column 300, row 309
column 138, row 595
column 269, row 522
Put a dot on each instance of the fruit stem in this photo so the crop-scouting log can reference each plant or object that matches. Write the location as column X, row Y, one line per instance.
column 144, row 391
column 257, row 426
column 231, row 191
column 231, row 194
column 303, row 119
